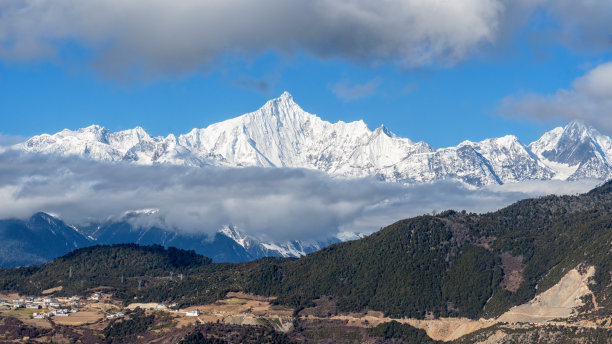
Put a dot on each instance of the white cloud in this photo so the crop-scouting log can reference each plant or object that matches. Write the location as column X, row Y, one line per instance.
column 583, row 24
column 589, row 99
column 272, row 204
column 431, row 198
column 159, row 36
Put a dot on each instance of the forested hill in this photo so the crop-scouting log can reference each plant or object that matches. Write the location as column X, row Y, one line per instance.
column 455, row 263
column 452, row 264
column 120, row 265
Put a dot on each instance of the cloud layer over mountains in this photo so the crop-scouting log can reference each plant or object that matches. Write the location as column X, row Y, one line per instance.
column 268, row 203
column 589, row 99
column 174, row 37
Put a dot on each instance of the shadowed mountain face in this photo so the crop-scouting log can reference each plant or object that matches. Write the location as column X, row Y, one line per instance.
column 37, row 240
column 43, row 237
column 282, row 134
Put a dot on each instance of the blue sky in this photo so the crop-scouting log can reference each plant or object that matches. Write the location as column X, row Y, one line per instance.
column 480, row 69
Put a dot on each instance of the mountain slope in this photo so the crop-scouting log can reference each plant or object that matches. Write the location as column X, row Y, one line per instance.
column 43, row 237
column 37, row 240
column 282, row 134
column 455, row 264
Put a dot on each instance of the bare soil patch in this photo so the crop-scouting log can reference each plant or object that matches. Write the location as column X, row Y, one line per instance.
column 513, row 271
column 557, row 302
column 52, row 290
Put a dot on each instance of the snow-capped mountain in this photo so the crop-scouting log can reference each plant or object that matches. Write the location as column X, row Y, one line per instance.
column 258, row 248
column 575, row 152
column 282, row 134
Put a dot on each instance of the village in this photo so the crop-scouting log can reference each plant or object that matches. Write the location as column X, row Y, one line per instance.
column 43, row 306
column 101, row 308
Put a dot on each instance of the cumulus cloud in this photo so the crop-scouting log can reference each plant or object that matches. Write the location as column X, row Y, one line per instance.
column 174, row 37
column 160, row 37
column 271, row 204
column 589, row 99
column 582, row 24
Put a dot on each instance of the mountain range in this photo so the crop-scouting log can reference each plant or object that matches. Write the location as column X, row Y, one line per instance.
column 282, row 134
column 43, row 237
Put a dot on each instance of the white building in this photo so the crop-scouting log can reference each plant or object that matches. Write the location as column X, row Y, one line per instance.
column 195, row 313
column 114, row 315
column 61, row 312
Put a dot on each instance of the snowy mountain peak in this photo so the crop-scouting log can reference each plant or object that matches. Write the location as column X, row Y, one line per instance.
column 567, row 144
column 94, row 128
column 282, row 134
column 384, row 130
column 576, row 126
column 93, row 133
column 286, row 96
column 45, row 217
column 139, row 131
column 575, row 151
column 233, row 233
column 258, row 248
column 507, row 140
column 139, row 212
column 281, row 105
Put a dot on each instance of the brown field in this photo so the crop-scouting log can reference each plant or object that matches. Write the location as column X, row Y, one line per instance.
column 40, row 323
column 80, row 318
column 241, row 306
column 21, row 313
column 237, row 309
column 101, row 307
